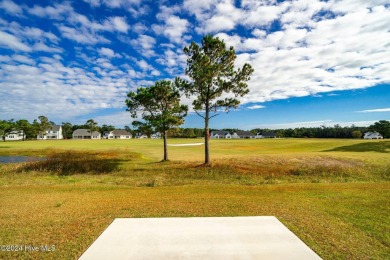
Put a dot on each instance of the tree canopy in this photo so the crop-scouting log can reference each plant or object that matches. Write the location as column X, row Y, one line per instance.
column 159, row 106
column 92, row 126
column 6, row 127
column 215, row 82
column 382, row 127
column 42, row 126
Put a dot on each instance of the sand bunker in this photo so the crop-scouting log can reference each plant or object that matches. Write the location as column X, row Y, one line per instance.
column 192, row 144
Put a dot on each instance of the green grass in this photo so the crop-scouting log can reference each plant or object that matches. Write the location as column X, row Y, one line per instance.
column 333, row 194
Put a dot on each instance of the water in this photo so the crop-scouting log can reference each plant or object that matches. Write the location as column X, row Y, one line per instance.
column 18, row 159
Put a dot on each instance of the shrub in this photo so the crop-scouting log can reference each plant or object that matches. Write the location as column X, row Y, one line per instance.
column 72, row 162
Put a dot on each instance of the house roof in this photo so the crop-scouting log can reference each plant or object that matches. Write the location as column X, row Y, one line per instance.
column 13, row 132
column 120, row 132
column 84, row 132
column 245, row 133
column 372, row 134
column 54, row 128
column 268, row 134
column 220, row 132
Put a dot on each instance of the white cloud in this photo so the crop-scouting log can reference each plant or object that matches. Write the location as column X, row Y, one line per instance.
column 23, row 59
column 59, row 91
column 347, row 48
column 39, row 39
column 78, row 27
column 139, row 28
column 120, row 119
column 56, row 12
column 218, row 23
column 300, row 13
column 43, row 47
column 107, row 52
column 145, row 45
column 146, row 42
column 213, row 16
column 38, row 34
column 11, row 8
column 255, row 107
column 81, row 36
column 135, row 74
column 173, row 29
column 93, row 3
column 375, row 110
column 196, row 7
column 262, row 13
column 120, row 24
column 4, row 58
column 333, row 55
column 173, row 60
column 144, row 66
column 11, row 42
column 115, row 3
column 134, row 7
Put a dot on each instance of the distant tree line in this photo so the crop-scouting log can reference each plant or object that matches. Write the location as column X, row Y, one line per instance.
column 40, row 125
column 335, row 131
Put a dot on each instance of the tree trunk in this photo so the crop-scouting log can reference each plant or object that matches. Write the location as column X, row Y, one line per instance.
column 165, row 146
column 206, row 139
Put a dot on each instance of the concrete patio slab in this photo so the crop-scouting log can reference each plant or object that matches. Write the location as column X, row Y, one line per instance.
column 198, row 238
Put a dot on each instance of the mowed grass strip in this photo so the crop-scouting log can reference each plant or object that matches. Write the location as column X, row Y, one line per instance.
column 338, row 221
column 220, row 148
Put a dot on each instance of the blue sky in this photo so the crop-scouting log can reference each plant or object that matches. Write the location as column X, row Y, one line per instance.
column 316, row 62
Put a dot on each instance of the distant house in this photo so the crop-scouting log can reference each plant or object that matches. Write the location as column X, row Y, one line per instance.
column 85, row 134
column 245, row 134
column 156, row 135
column 54, row 132
column 117, row 134
column 266, row 135
column 220, row 135
column 235, row 136
column 372, row 135
column 140, row 136
column 16, row 135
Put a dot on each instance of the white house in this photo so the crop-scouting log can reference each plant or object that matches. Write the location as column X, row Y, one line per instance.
column 245, row 134
column 220, row 135
column 54, row 132
column 156, row 135
column 117, row 134
column 372, row 135
column 108, row 135
column 85, row 134
column 16, row 135
column 140, row 136
column 235, row 136
column 266, row 135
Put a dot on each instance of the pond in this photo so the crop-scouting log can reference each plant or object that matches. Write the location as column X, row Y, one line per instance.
column 18, row 159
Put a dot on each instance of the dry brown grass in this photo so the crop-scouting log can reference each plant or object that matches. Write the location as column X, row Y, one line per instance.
column 334, row 198
column 73, row 162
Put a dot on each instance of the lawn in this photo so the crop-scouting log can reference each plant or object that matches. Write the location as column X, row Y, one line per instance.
column 333, row 194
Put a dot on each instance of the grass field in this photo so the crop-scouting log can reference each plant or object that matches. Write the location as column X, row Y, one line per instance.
column 333, row 194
